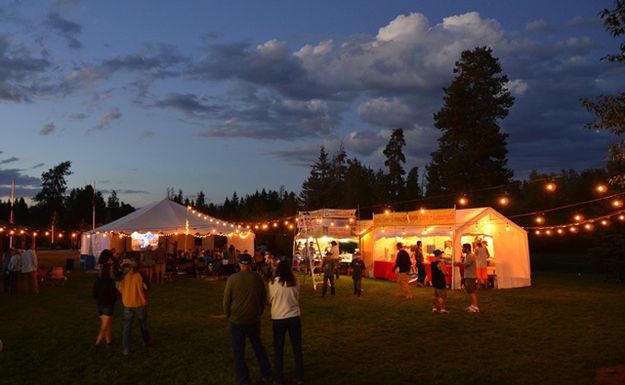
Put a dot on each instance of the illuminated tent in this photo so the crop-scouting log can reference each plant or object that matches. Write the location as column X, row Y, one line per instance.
column 179, row 224
column 508, row 244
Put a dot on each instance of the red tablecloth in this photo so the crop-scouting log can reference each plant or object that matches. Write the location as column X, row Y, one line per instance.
column 384, row 270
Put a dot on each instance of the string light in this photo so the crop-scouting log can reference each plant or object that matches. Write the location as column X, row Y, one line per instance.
column 551, row 187
column 617, row 203
column 560, row 231
column 387, row 211
column 422, row 210
column 588, row 226
column 573, row 229
column 601, row 188
column 463, row 201
column 539, row 219
column 578, row 217
column 604, row 222
column 503, row 201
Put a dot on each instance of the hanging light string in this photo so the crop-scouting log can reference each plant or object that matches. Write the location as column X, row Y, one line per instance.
column 567, row 206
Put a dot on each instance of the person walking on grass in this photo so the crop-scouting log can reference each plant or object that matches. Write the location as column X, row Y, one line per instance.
column 133, row 288
column 105, row 295
column 244, row 302
column 357, row 266
column 285, row 315
column 438, row 283
column 470, row 275
column 402, row 267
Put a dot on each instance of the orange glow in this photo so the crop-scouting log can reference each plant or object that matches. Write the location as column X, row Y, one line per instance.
column 265, row 226
column 604, row 222
column 256, row 227
column 60, row 235
column 422, row 210
column 351, row 220
column 21, row 231
column 573, row 229
column 47, row 233
column 35, row 234
column 1, row 229
column 617, row 203
column 621, row 217
column 11, row 232
column 387, row 211
column 551, row 187
column 578, row 217
column 537, row 232
column 560, row 231
column 291, row 227
column 548, row 232
column 73, row 235
column 601, row 188
column 588, row 226
column 540, row 220
column 331, row 223
column 275, row 224
column 463, row 201
column 504, row 201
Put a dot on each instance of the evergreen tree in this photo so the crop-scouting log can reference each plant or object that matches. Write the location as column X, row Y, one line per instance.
column 113, row 207
column 395, row 159
column 316, row 188
column 200, row 201
column 413, row 189
column 78, row 208
column 610, row 109
column 53, row 187
column 472, row 150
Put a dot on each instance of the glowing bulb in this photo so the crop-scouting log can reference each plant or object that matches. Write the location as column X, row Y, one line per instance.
column 604, row 222
column 463, row 201
column 21, row 231
column 578, row 217
column 35, row 234
column 275, row 224
column 601, row 188
column 573, row 229
column 47, row 233
column 1, row 229
column 256, row 227
column 291, row 227
column 73, row 235
column 422, row 210
column 588, row 226
column 560, row 231
column 11, row 232
column 621, row 217
column 548, row 232
column 551, row 187
column 387, row 211
column 540, row 220
column 347, row 226
column 537, row 232
column 60, row 235
column 617, row 203
column 504, row 201
column 507, row 227
column 351, row 220
column 265, row 226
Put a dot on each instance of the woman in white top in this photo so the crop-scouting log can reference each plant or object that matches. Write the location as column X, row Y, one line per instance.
column 283, row 295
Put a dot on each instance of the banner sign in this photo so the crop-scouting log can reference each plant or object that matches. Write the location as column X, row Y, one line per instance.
column 330, row 222
column 416, row 218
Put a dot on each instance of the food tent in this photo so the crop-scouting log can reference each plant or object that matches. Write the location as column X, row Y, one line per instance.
column 507, row 242
column 182, row 227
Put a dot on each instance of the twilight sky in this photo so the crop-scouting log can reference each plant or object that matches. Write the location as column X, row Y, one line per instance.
column 235, row 95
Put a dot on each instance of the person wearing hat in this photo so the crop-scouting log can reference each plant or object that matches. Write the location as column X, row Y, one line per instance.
column 244, row 302
column 133, row 288
column 328, row 266
column 438, row 283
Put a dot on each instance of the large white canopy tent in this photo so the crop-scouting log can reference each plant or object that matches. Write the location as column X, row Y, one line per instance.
column 508, row 242
column 169, row 219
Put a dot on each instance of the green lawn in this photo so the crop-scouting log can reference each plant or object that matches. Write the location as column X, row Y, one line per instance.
column 560, row 331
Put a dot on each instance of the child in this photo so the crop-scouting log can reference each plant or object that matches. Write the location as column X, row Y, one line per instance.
column 438, row 283
column 357, row 267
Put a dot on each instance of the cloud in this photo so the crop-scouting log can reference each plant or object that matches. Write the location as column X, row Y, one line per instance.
column 47, row 129
column 583, row 22
column 25, row 185
column 66, row 28
column 108, row 118
column 147, row 134
column 517, row 87
column 78, row 116
column 538, row 26
column 189, row 104
column 9, row 160
column 21, row 74
column 38, row 165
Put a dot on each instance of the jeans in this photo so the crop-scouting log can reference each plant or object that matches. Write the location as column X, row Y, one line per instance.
column 13, row 277
column 357, row 285
column 238, row 333
column 328, row 277
column 294, row 327
column 142, row 315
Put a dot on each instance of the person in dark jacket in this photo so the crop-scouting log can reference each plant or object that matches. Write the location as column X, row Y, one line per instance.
column 105, row 295
column 439, row 283
column 402, row 267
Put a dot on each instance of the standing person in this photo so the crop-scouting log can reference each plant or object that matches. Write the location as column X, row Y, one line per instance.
column 470, row 275
column 481, row 262
column 5, row 268
column 15, row 265
column 438, row 283
column 285, row 314
column 148, row 262
column 357, row 266
column 160, row 262
column 420, row 265
column 244, row 301
column 29, row 270
column 133, row 288
column 336, row 256
column 105, row 294
column 402, row 267
column 328, row 267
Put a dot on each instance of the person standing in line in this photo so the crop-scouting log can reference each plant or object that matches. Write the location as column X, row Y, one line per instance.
column 438, row 283
column 148, row 263
column 29, row 270
column 285, row 314
column 402, row 267
column 105, row 295
column 244, row 302
column 133, row 288
column 328, row 266
column 470, row 275
column 481, row 261
column 160, row 263
column 15, row 265
column 357, row 266
column 420, row 264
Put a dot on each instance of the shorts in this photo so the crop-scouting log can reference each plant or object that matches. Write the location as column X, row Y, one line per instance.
column 469, row 285
column 105, row 310
column 482, row 273
column 440, row 293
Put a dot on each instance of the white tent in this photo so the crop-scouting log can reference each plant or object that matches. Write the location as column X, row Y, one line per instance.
column 507, row 244
column 166, row 219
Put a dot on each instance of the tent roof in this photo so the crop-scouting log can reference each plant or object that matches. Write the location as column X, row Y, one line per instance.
column 169, row 217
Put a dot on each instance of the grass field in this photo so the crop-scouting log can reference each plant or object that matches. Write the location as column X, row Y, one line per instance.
column 560, row 331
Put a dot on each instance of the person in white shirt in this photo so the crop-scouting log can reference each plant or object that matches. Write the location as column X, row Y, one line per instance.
column 15, row 266
column 283, row 295
column 29, row 270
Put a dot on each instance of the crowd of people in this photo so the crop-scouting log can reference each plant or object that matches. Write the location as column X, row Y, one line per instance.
column 20, row 268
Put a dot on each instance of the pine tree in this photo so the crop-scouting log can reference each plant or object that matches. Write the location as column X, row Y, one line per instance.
column 395, row 159
column 472, row 149
column 53, row 187
column 316, row 189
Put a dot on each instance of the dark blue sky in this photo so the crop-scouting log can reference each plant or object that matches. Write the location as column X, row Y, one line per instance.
column 226, row 96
